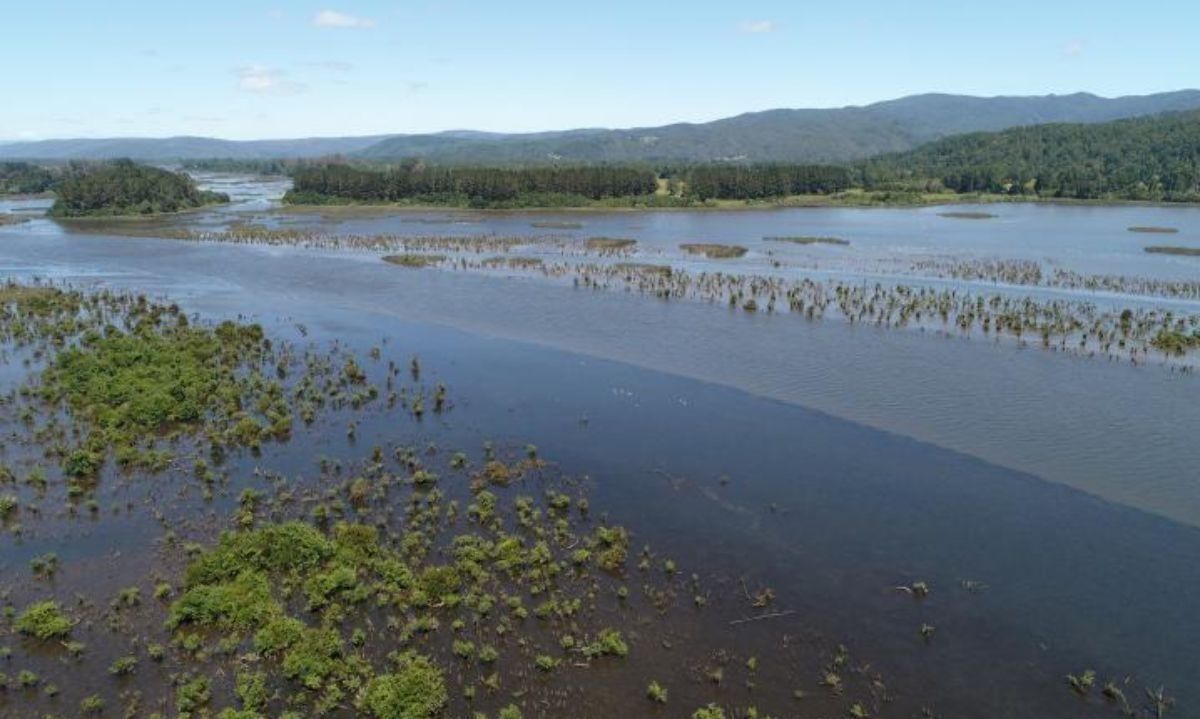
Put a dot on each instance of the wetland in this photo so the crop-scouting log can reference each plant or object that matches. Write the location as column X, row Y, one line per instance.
column 267, row 462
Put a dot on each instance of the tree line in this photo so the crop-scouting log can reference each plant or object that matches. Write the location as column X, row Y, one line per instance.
column 241, row 165
column 416, row 181
column 23, row 178
column 753, row 182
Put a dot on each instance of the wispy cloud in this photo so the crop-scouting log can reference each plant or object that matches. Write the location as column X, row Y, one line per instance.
column 333, row 18
column 757, row 27
column 336, row 66
column 266, row 81
column 1073, row 48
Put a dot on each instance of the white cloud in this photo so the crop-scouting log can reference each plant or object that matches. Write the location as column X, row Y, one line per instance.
column 266, row 81
column 758, row 27
column 333, row 18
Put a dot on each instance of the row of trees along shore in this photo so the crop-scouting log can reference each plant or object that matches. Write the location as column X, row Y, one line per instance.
column 417, row 181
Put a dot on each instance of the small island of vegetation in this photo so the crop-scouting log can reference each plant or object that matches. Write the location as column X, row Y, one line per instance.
column 1173, row 250
column 713, row 251
column 123, row 188
column 801, row 240
column 1154, row 230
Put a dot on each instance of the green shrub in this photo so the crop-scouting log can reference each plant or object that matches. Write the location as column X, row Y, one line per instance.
column 415, row 690
column 44, row 620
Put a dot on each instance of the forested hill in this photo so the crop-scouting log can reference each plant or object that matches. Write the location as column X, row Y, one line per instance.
column 1155, row 158
column 803, row 136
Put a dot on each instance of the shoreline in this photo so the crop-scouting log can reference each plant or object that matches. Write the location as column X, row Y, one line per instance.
column 797, row 202
column 133, row 218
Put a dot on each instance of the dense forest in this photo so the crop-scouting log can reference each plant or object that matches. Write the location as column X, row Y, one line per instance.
column 542, row 186
column 475, row 186
column 1155, row 158
column 23, row 178
column 753, row 182
column 125, row 188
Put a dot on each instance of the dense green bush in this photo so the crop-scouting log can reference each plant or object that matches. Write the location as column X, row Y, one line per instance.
column 414, row 690
column 44, row 620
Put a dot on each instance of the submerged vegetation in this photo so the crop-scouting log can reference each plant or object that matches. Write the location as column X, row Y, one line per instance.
column 610, row 244
column 124, row 188
column 395, row 581
column 1154, row 230
column 1173, row 250
column 801, row 240
column 967, row 215
column 1076, row 325
column 414, row 260
column 714, row 251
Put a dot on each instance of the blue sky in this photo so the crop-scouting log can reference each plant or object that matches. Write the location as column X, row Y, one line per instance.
column 247, row 69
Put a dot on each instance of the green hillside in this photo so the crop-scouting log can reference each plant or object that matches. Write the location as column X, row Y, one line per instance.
column 1155, row 158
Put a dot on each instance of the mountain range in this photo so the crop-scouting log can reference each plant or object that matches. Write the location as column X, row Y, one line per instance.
column 784, row 135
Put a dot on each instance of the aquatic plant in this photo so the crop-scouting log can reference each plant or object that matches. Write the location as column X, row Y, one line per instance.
column 607, row 245
column 122, row 666
column 44, row 620
column 414, row 689
column 1082, row 683
column 711, row 711
column 802, row 240
column 607, row 643
column 657, row 693
column 414, row 260
column 1173, row 250
column 714, row 251
column 967, row 215
column 93, row 704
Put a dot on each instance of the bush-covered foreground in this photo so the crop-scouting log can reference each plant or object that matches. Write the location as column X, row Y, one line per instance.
column 399, row 581
column 138, row 383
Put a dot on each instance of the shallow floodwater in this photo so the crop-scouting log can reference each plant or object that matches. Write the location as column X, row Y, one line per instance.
column 1086, row 238
column 1119, row 431
column 775, row 466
